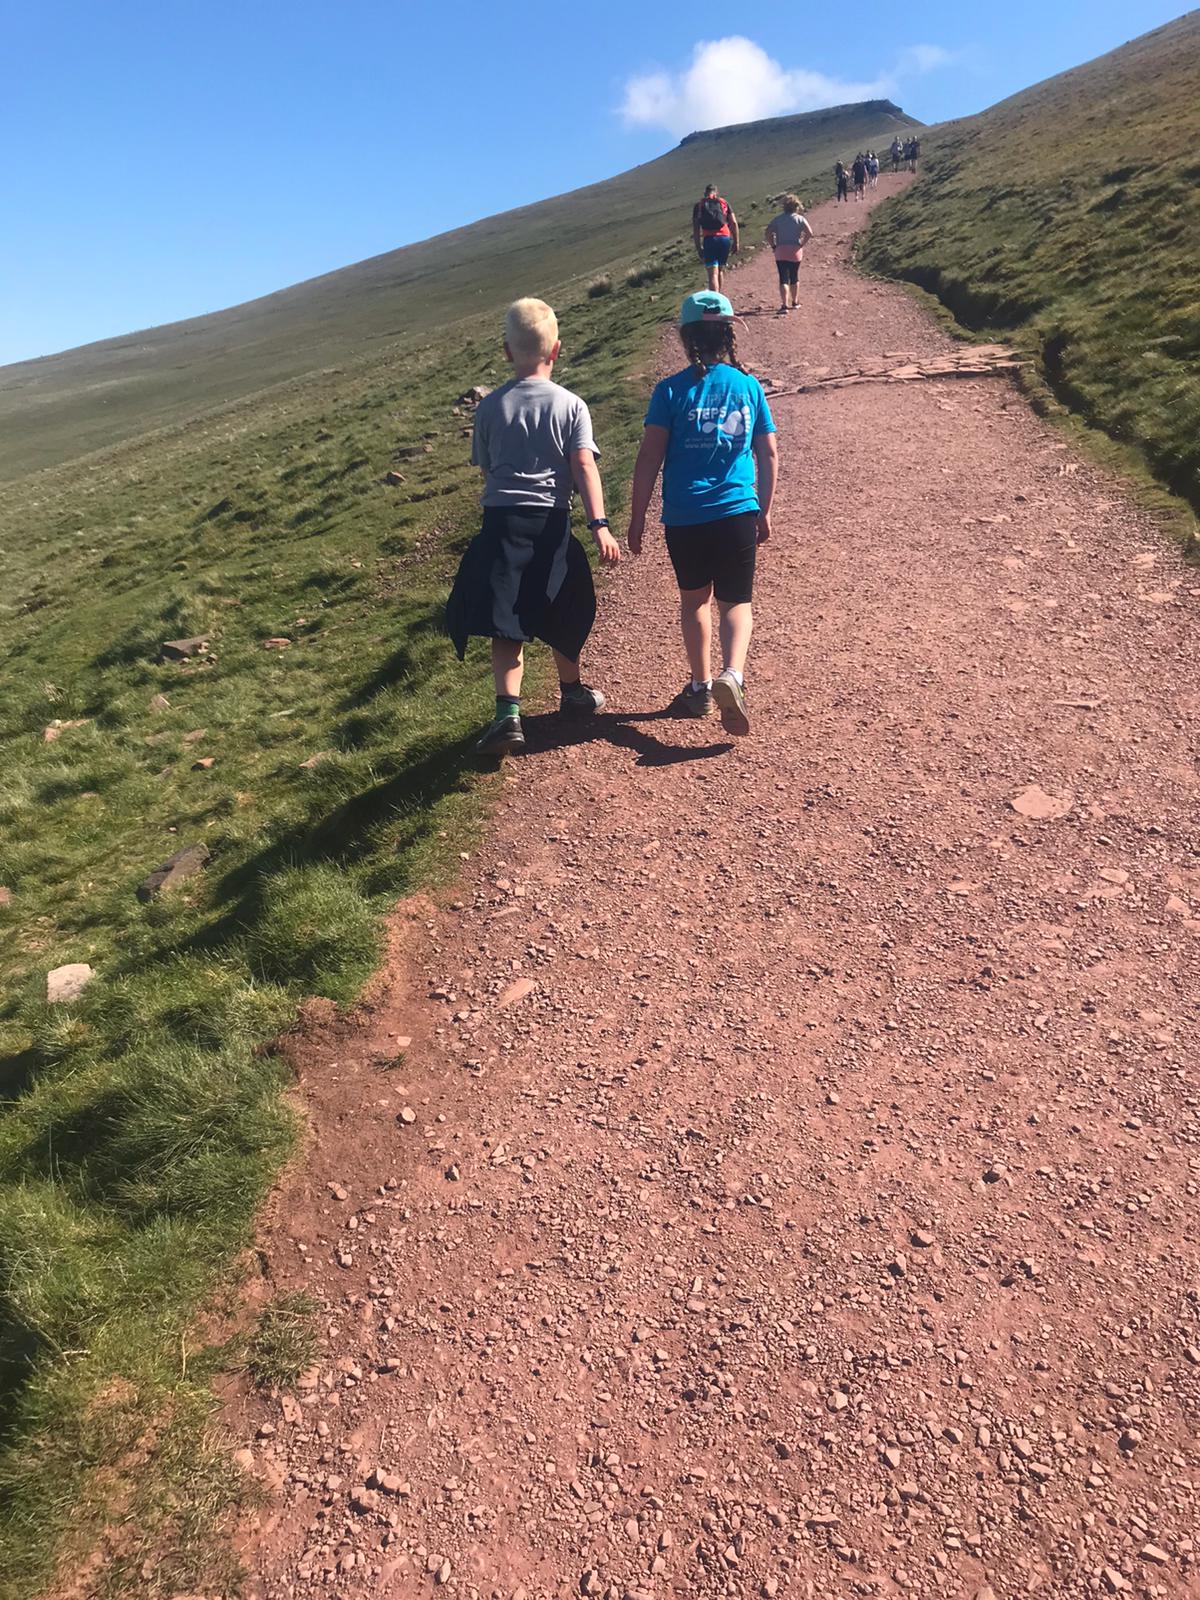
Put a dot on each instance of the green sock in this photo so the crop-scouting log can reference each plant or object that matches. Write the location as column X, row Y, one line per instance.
column 508, row 705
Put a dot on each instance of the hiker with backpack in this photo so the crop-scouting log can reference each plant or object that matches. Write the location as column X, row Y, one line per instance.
column 859, row 173
column 715, row 234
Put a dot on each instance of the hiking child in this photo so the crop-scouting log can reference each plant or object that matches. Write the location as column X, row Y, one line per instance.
column 715, row 235
column 707, row 430
column 842, row 178
column 787, row 234
column 525, row 576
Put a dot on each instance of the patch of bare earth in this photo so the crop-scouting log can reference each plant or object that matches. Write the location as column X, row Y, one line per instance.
column 789, row 1185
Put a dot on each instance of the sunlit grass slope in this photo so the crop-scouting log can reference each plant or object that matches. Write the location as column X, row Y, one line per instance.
column 57, row 408
column 1069, row 216
column 140, row 1127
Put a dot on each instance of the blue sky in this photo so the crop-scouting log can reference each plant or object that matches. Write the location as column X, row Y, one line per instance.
column 168, row 159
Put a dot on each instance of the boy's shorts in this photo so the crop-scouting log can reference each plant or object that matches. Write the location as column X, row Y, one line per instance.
column 789, row 271
column 716, row 249
column 721, row 553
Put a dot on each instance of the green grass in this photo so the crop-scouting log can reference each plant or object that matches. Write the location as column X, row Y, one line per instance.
column 1068, row 220
column 57, row 408
column 141, row 1127
column 284, row 1343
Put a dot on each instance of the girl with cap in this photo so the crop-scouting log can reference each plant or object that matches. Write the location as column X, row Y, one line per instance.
column 709, row 431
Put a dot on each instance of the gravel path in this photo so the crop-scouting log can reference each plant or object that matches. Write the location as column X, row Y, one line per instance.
column 790, row 1185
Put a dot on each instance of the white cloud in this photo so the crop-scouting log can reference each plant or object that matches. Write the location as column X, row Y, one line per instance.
column 735, row 80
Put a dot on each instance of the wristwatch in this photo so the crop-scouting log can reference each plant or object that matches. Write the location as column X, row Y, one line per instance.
column 597, row 522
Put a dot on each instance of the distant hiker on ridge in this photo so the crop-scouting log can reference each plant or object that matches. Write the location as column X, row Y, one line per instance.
column 525, row 576
column 914, row 154
column 897, row 153
column 859, row 173
column 787, row 234
column 715, row 234
column 842, row 179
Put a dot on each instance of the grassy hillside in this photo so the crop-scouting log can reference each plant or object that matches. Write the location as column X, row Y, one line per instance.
column 59, row 407
column 1069, row 218
column 140, row 1127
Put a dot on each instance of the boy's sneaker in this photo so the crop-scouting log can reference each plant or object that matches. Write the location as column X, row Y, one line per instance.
column 577, row 700
column 692, row 702
column 503, row 737
column 731, row 698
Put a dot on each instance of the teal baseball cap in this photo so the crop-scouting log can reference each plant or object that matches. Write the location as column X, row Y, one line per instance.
column 706, row 306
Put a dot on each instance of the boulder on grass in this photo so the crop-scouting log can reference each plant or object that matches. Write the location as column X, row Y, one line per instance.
column 68, row 983
column 473, row 395
column 184, row 864
column 182, row 649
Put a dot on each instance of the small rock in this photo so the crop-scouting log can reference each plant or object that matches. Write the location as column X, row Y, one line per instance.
column 59, row 727
column 516, row 991
column 838, row 1401
column 67, row 983
column 1113, row 1581
column 177, row 869
column 1116, row 875
column 589, row 1583
column 1034, row 802
column 1151, row 1552
column 5, row 896
column 277, row 644
column 337, row 1191
column 407, row 1116
column 395, row 479
column 244, row 1459
column 890, row 1456
column 204, row 764
column 1177, row 907
column 442, row 1575
column 182, row 649
column 364, row 1500
column 160, row 703
column 452, row 1174
column 922, row 1239
column 315, row 761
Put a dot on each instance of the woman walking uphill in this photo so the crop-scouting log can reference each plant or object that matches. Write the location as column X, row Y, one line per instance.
column 787, row 234
column 708, row 429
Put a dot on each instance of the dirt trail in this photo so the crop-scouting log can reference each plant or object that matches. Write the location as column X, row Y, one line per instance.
column 790, row 1186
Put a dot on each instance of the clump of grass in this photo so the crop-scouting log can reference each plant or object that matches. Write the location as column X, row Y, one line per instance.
column 284, row 1342
column 317, row 932
column 650, row 273
column 599, row 286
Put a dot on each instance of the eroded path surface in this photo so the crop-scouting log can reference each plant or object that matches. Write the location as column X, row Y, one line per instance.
column 791, row 1183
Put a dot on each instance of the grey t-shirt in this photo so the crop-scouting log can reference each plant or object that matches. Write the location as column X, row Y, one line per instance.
column 525, row 432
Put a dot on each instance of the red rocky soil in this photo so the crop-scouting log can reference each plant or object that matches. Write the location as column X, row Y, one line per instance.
column 790, row 1185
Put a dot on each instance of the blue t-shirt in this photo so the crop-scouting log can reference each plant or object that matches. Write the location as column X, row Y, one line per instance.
column 712, row 421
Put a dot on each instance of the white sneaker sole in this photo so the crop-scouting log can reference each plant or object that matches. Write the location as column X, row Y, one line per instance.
column 731, row 706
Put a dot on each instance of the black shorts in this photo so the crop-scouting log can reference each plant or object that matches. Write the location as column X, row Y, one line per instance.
column 789, row 271
column 721, row 553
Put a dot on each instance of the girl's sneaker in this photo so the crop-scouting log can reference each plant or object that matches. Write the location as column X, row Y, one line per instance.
column 731, row 699
column 503, row 737
column 577, row 700
column 692, row 702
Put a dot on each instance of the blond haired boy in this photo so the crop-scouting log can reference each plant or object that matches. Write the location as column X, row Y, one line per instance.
column 525, row 576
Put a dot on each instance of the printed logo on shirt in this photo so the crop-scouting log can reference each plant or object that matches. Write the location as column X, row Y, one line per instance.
column 733, row 421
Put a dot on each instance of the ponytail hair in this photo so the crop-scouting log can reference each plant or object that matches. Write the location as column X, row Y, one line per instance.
column 708, row 344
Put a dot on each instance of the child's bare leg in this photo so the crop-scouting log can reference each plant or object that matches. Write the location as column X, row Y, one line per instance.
column 508, row 666
column 695, row 622
column 568, row 670
column 737, row 624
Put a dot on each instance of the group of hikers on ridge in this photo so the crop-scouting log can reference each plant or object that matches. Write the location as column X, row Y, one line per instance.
column 710, row 437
